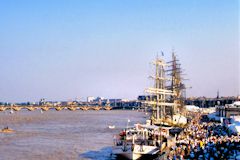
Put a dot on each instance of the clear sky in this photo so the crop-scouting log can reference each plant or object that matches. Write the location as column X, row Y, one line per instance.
column 67, row 49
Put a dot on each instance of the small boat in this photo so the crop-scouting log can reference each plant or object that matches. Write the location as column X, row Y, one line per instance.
column 7, row 130
column 111, row 127
column 11, row 111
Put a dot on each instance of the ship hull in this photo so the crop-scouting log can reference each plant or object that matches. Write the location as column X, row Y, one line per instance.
column 132, row 156
column 148, row 152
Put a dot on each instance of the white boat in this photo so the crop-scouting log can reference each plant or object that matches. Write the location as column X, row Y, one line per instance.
column 111, row 127
column 11, row 111
column 135, row 144
column 136, row 152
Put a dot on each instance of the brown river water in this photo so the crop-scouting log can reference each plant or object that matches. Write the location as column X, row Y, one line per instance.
column 62, row 135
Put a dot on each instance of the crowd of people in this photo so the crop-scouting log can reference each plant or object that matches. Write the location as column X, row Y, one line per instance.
column 205, row 141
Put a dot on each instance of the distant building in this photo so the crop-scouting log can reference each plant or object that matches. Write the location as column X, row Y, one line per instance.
column 210, row 102
column 144, row 97
column 98, row 99
column 229, row 110
column 125, row 100
column 90, row 99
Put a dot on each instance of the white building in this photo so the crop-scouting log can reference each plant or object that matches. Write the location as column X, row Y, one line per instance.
column 90, row 99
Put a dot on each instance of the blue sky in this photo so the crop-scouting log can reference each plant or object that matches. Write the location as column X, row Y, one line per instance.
column 62, row 50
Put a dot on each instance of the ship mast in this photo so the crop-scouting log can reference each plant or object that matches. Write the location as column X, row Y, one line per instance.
column 166, row 97
column 176, row 85
column 159, row 94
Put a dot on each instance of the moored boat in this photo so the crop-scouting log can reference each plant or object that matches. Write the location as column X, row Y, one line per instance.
column 136, row 152
column 142, row 141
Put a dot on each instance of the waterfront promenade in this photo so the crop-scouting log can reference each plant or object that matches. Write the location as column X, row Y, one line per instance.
column 205, row 140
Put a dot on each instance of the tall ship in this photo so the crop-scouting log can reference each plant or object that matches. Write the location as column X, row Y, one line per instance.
column 165, row 100
column 166, row 97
